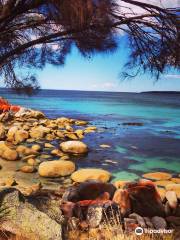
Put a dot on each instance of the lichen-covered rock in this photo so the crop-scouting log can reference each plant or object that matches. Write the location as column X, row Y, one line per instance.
column 77, row 147
column 56, row 168
column 26, row 219
column 85, row 174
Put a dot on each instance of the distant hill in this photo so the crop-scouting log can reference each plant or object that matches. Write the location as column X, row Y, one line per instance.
column 163, row 92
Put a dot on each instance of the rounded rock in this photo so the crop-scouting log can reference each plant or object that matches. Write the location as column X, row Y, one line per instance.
column 57, row 168
column 83, row 175
column 76, row 147
column 27, row 169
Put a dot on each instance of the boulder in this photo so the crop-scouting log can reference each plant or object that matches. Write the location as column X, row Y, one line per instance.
column 94, row 216
column 89, row 190
column 24, row 151
column 139, row 219
column 77, row 147
column 172, row 199
column 36, row 147
column 11, row 133
column 145, row 199
column 159, row 222
column 157, row 176
column 23, row 217
column 2, row 131
column 57, row 168
column 21, row 136
column 174, row 187
column 39, row 132
column 85, row 174
column 173, row 220
column 121, row 197
column 7, row 153
column 27, row 169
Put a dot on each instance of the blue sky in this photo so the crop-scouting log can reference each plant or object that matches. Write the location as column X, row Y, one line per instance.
column 101, row 73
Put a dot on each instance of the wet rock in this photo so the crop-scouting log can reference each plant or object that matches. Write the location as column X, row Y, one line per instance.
column 121, row 197
column 81, row 123
column 57, row 152
column 32, row 162
column 157, row 176
column 94, row 216
column 48, row 145
column 36, row 147
column 89, row 190
column 77, row 147
column 80, row 133
column 27, row 169
column 72, row 136
column 140, row 220
column 172, row 199
column 133, row 124
column 145, row 199
column 105, row 146
column 85, row 174
column 56, row 168
column 159, row 222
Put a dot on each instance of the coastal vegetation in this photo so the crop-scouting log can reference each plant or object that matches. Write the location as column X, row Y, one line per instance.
column 36, row 33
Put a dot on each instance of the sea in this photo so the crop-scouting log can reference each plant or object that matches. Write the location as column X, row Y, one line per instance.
column 141, row 129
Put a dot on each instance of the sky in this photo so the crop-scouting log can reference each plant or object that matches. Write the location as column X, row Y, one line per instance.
column 102, row 72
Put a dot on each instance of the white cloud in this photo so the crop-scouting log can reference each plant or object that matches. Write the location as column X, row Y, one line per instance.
column 128, row 8
column 174, row 76
column 105, row 86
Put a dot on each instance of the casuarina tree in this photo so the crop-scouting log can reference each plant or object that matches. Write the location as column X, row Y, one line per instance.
column 34, row 33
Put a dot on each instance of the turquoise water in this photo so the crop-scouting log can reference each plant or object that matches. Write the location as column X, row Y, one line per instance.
column 134, row 149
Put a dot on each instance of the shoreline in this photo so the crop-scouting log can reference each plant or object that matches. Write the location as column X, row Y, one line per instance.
column 24, row 136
